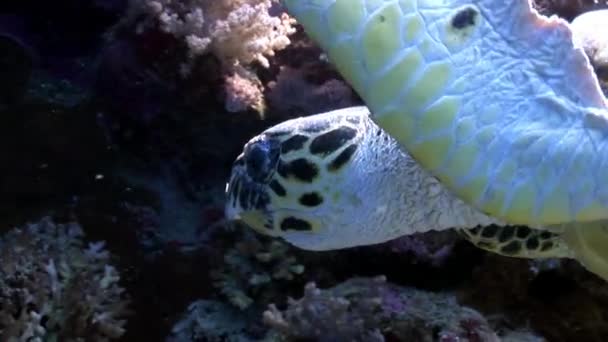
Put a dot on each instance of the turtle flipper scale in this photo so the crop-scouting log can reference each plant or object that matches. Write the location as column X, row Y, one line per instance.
column 489, row 96
column 518, row 241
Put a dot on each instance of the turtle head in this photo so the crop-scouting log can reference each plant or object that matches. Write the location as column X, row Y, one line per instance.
column 311, row 182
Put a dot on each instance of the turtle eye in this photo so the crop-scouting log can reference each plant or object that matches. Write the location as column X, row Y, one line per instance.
column 261, row 158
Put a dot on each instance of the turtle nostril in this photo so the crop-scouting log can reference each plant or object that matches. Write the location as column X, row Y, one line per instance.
column 261, row 157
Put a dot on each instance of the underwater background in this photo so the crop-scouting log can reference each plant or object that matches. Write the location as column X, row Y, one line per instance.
column 120, row 123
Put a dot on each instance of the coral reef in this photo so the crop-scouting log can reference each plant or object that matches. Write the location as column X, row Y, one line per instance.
column 433, row 248
column 371, row 309
column 243, row 91
column 235, row 31
column 53, row 287
column 238, row 33
column 256, row 270
column 125, row 116
column 562, row 302
column 211, row 321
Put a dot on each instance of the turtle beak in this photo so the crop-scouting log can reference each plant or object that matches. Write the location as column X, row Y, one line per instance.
column 251, row 173
column 241, row 203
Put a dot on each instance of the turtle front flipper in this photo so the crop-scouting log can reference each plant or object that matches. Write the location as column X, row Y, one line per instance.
column 518, row 241
column 589, row 244
column 492, row 98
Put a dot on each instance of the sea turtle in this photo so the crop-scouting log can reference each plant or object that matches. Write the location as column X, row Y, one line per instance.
column 492, row 98
column 336, row 180
column 483, row 115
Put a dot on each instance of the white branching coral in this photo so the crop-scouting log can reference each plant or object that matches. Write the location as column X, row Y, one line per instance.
column 54, row 288
column 236, row 31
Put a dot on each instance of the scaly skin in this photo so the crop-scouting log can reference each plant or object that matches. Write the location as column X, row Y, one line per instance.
column 490, row 97
column 376, row 193
column 336, row 180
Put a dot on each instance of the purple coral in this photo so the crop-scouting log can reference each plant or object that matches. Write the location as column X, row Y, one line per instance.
column 243, row 91
column 364, row 309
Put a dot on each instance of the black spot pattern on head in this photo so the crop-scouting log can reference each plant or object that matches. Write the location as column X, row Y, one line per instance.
column 532, row 243
column 277, row 188
column 331, row 141
column 342, row 158
column 489, row 231
column 300, row 168
column 303, row 170
column 311, row 199
column 283, row 169
column 506, row 234
column 464, row 18
column 294, row 143
column 511, row 248
column 294, row 223
column 523, row 232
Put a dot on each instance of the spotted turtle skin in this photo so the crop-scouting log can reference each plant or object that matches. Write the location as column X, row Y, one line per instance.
column 492, row 98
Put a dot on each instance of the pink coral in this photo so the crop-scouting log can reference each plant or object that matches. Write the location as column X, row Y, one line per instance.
column 372, row 309
column 236, row 31
column 243, row 91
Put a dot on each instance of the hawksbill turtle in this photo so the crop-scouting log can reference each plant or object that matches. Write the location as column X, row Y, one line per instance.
column 480, row 115
column 336, row 180
column 494, row 99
